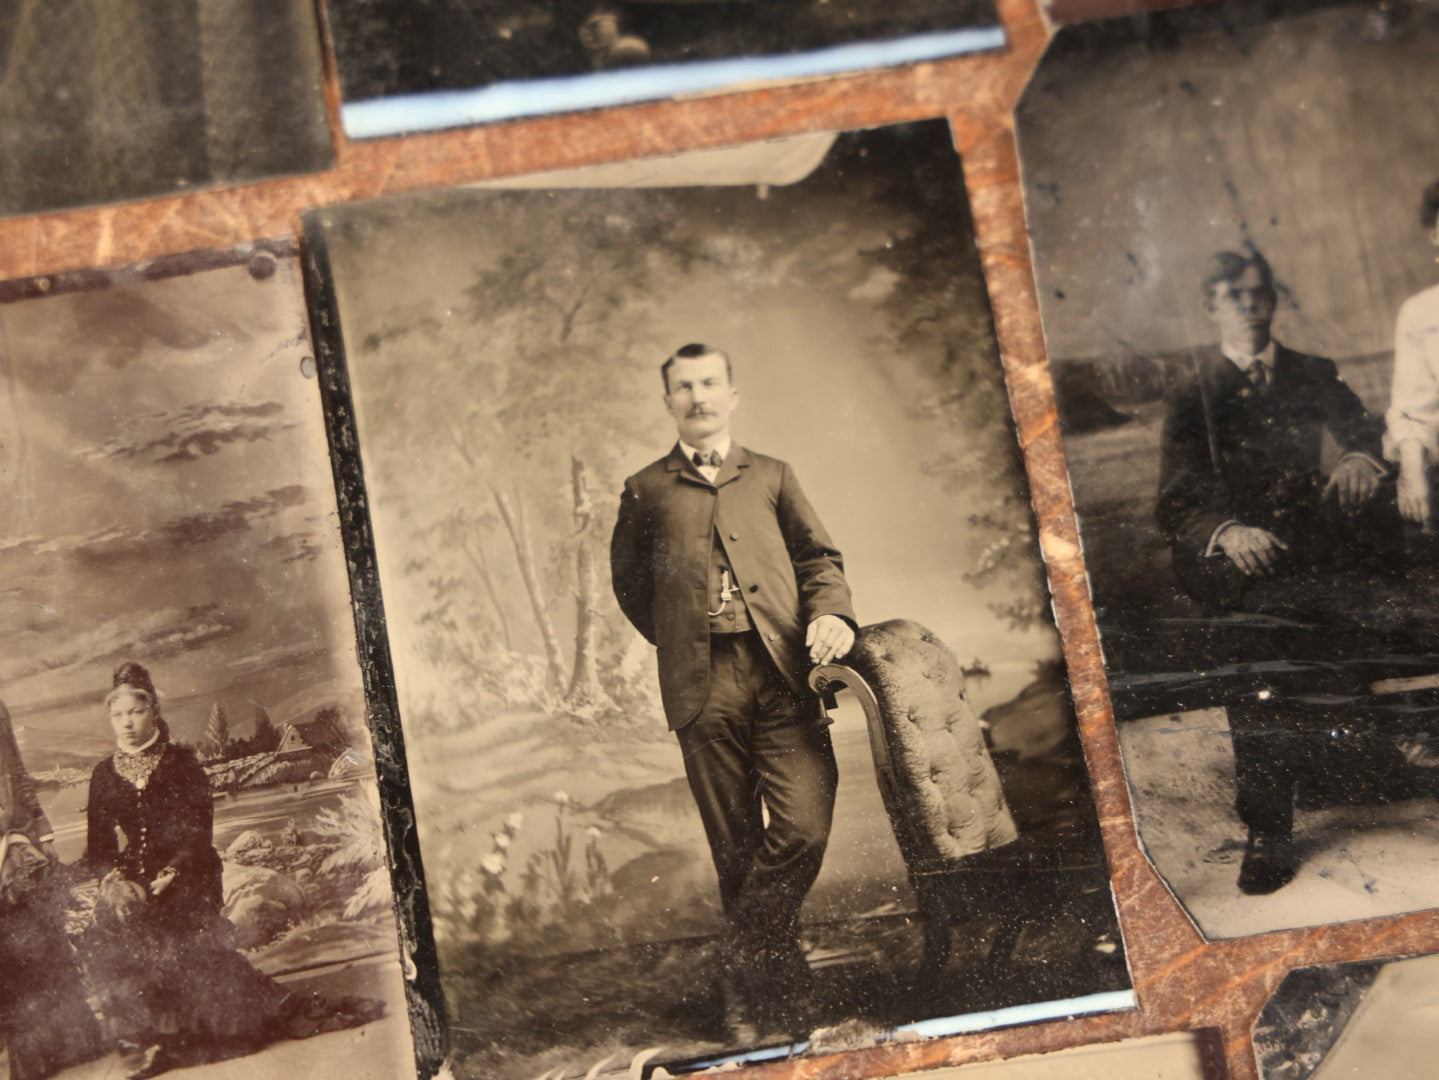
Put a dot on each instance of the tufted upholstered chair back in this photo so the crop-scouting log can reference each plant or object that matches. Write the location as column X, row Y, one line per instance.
column 936, row 777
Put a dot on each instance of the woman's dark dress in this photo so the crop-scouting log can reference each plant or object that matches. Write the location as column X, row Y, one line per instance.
column 168, row 968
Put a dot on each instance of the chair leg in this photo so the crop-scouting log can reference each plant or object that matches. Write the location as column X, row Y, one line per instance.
column 936, row 917
column 1006, row 937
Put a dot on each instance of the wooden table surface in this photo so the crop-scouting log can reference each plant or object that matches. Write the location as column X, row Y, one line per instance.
column 1182, row 983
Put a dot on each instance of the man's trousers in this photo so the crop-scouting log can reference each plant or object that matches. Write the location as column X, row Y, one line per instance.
column 1270, row 758
column 756, row 749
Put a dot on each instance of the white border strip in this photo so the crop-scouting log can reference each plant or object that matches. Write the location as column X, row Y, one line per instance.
column 403, row 113
column 1109, row 1001
column 1068, row 1009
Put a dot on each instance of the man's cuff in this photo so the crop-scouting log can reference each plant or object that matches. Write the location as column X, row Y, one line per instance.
column 838, row 614
column 1212, row 548
column 1380, row 469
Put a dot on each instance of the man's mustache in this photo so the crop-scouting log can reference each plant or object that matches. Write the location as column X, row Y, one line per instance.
column 700, row 410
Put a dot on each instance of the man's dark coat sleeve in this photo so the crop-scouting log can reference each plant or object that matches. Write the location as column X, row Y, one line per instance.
column 629, row 563
column 1353, row 427
column 818, row 565
column 1192, row 502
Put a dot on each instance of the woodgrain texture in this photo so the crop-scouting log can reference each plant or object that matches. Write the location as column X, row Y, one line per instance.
column 1182, row 982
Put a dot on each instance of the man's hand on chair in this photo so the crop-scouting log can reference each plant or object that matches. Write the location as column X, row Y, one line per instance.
column 829, row 637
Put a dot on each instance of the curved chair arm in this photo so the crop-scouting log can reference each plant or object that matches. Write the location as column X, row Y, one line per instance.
column 827, row 680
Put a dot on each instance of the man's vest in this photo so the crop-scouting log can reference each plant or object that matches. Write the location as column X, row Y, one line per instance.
column 728, row 613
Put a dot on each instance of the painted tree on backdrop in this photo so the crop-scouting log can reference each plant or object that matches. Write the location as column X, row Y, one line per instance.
column 265, row 736
column 216, row 743
column 530, row 387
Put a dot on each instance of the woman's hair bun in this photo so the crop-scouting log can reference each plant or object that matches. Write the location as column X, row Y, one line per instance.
column 134, row 676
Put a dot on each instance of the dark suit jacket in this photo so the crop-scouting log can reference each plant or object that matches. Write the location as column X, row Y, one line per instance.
column 660, row 560
column 1257, row 460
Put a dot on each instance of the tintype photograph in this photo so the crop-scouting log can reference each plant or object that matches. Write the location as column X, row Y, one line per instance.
column 1232, row 213
column 415, row 67
column 192, row 864
column 736, row 725
column 109, row 100
column 1365, row 1018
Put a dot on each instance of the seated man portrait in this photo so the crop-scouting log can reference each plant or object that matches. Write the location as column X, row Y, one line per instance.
column 1242, row 497
column 1254, row 525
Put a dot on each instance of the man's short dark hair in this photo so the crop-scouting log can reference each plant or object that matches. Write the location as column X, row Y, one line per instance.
column 1229, row 266
column 689, row 352
column 1429, row 207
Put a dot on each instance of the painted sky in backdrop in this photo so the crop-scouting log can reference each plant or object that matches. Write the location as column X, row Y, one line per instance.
column 166, row 497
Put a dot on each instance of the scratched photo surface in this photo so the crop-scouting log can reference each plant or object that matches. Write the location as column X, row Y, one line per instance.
column 1296, row 694
column 107, row 100
column 218, row 898
column 1366, row 1018
column 404, row 66
column 503, row 353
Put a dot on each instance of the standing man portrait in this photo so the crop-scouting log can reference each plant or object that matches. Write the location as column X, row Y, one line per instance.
column 720, row 562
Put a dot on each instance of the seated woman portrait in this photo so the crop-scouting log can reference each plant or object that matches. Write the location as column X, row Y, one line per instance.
column 172, row 989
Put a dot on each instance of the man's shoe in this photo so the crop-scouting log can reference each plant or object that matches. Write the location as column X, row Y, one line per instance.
column 785, row 991
column 1270, row 863
column 740, row 1026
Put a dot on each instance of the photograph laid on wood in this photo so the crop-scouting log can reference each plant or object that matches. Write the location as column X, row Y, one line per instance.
column 419, row 67
column 1231, row 209
column 688, row 781
column 1367, row 1018
column 192, row 865
column 1178, row 1056
column 107, row 100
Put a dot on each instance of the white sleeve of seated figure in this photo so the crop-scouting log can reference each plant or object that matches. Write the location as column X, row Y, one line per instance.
column 1414, row 400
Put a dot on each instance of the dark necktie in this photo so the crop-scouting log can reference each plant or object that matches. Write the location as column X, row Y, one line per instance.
column 713, row 460
column 1259, row 373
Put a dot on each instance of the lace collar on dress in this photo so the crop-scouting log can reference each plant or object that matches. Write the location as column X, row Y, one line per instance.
column 137, row 767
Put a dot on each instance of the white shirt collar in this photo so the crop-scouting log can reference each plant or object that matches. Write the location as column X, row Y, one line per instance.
column 1245, row 362
column 689, row 451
